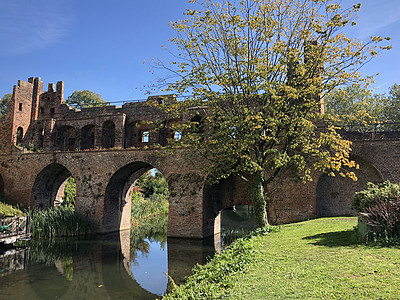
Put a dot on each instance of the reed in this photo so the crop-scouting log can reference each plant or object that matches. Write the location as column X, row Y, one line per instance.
column 61, row 221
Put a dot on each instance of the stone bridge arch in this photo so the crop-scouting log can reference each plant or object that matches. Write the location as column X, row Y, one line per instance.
column 216, row 197
column 118, row 195
column 334, row 194
column 49, row 185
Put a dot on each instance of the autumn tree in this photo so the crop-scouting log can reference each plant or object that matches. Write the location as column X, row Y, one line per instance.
column 86, row 98
column 258, row 69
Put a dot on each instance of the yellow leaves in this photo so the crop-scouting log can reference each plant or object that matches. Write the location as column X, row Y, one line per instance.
column 357, row 7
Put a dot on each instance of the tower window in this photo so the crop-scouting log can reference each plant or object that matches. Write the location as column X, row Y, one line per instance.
column 20, row 107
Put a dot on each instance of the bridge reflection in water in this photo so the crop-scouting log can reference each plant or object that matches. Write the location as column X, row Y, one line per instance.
column 113, row 267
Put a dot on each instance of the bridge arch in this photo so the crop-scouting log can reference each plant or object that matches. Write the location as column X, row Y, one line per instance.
column 225, row 194
column 334, row 194
column 118, row 195
column 49, row 185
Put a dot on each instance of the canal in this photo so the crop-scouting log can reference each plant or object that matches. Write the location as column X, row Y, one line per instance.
column 128, row 265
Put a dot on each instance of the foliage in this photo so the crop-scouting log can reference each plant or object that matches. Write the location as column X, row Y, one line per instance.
column 384, row 218
column 69, row 193
column 358, row 109
column 153, row 185
column 211, row 280
column 353, row 105
column 86, row 98
column 61, row 221
column 256, row 70
column 392, row 106
column 5, row 100
column 9, row 210
column 386, row 191
column 143, row 208
column 317, row 259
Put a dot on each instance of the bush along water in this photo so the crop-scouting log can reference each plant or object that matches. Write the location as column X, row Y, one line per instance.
column 379, row 206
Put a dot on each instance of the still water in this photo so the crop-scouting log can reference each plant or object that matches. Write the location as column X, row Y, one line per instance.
column 123, row 266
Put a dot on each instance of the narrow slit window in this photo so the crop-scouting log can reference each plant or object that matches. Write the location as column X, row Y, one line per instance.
column 20, row 107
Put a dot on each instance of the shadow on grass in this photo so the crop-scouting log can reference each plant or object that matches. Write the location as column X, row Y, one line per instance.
column 336, row 239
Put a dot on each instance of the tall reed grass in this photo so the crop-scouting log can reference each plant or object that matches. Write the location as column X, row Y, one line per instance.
column 61, row 221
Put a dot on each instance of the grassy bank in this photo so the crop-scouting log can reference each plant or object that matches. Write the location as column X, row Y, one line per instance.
column 318, row 259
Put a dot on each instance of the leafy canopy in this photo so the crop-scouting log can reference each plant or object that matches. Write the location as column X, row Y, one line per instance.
column 356, row 108
column 256, row 70
column 5, row 100
column 86, row 98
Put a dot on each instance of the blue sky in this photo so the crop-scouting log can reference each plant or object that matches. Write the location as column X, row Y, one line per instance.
column 107, row 46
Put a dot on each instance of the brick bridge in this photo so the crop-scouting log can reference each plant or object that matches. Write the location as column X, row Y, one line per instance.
column 105, row 149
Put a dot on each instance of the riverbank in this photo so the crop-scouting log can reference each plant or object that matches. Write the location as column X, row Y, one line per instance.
column 317, row 259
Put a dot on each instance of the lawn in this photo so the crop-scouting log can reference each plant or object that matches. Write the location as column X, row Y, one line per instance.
column 317, row 259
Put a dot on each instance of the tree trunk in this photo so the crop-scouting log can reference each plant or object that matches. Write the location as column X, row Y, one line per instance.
column 256, row 193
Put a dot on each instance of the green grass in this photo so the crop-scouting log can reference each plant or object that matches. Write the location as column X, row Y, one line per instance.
column 317, row 259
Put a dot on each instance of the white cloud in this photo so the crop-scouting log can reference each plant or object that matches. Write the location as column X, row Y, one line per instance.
column 26, row 25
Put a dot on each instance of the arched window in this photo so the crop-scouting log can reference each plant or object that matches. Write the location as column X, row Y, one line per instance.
column 40, row 138
column 87, row 137
column 108, row 135
column 66, row 137
column 131, row 134
column 20, row 135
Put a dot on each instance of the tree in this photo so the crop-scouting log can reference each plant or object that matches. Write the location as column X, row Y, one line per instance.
column 355, row 108
column 4, row 103
column 258, row 69
column 391, row 109
column 86, row 98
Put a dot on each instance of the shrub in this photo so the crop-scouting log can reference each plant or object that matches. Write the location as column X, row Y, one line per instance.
column 384, row 218
column 386, row 192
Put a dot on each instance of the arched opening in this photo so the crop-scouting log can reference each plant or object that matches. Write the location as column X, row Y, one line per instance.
column 66, row 138
column 334, row 194
column 20, row 135
column 227, row 210
column 40, row 138
column 131, row 135
column 198, row 122
column 119, row 191
column 54, row 186
column 108, row 135
column 87, row 137
column 137, row 199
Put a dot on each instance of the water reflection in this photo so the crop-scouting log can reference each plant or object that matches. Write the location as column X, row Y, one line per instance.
column 128, row 265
